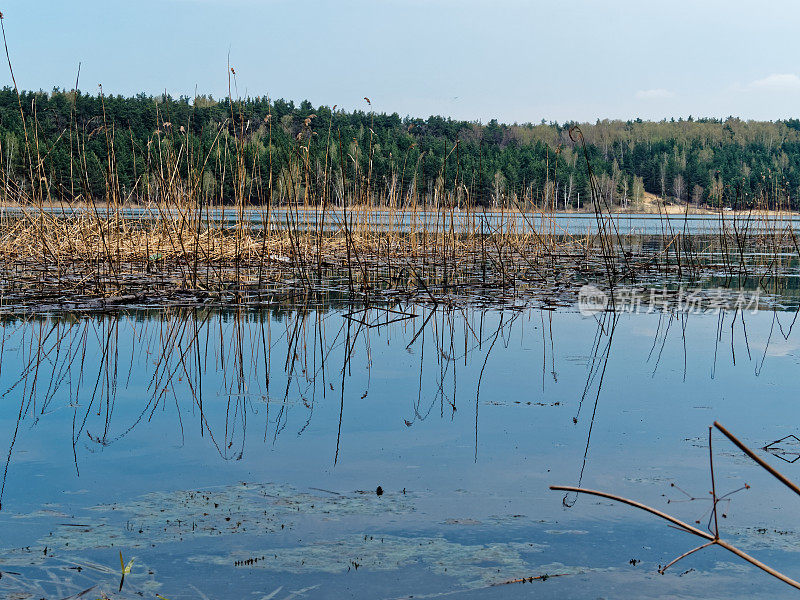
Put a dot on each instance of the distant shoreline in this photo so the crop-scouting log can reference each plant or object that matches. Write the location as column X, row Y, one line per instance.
column 671, row 210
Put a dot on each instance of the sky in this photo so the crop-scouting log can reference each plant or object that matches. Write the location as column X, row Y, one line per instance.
column 513, row 60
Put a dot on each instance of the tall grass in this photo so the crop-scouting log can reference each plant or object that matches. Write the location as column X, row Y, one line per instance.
column 297, row 225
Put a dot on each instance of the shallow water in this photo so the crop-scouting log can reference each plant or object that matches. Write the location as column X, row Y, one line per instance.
column 238, row 454
column 559, row 223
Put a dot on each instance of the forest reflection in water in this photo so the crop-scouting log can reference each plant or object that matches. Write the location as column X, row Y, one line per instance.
column 488, row 404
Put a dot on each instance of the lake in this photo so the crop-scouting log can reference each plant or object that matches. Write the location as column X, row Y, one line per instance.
column 410, row 219
column 393, row 452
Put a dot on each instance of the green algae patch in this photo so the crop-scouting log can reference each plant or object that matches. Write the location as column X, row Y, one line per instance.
column 184, row 515
column 474, row 565
column 56, row 564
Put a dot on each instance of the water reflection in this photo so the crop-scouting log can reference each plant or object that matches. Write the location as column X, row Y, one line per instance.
column 489, row 403
column 181, row 357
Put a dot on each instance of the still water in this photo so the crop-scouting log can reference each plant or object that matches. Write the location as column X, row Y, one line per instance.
column 486, row 220
column 239, row 454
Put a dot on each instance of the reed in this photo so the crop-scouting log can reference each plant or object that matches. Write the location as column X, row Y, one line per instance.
column 301, row 226
column 712, row 535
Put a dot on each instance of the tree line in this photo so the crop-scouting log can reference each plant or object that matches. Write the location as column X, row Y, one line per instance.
column 67, row 145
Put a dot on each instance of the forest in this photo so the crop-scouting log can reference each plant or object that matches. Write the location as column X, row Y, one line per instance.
column 71, row 145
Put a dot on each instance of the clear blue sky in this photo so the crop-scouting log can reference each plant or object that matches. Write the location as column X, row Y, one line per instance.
column 514, row 60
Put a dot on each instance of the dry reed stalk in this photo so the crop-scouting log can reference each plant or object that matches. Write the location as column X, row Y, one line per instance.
column 443, row 234
column 712, row 538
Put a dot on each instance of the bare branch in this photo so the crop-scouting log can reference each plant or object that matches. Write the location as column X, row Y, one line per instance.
column 639, row 505
column 772, row 471
column 663, row 569
column 713, row 541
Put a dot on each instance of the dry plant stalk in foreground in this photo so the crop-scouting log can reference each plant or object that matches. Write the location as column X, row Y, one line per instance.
column 713, row 539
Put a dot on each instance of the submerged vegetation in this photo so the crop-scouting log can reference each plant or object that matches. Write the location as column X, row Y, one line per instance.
column 239, row 383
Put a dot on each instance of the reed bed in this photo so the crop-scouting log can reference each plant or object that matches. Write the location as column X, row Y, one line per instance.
column 167, row 254
column 279, row 224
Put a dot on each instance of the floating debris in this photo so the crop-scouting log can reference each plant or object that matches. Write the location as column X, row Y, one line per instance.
column 167, row 517
column 474, row 565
